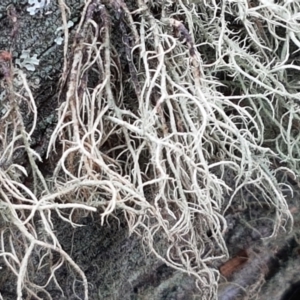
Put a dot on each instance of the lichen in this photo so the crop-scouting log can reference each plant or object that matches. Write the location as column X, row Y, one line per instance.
column 26, row 61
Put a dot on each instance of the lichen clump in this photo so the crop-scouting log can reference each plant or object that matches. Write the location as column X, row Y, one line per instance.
column 159, row 100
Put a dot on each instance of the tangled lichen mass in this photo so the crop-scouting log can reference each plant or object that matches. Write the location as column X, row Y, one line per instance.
column 158, row 101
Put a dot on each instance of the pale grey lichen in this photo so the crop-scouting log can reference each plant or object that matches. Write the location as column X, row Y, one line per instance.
column 59, row 39
column 37, row 5
column 26, row 61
